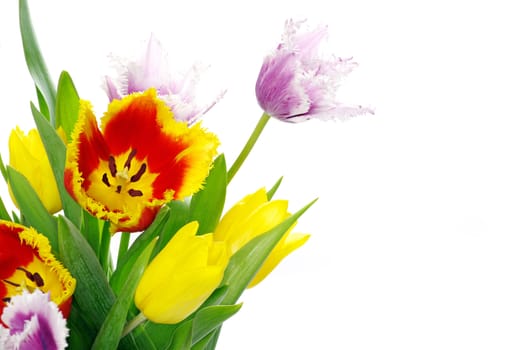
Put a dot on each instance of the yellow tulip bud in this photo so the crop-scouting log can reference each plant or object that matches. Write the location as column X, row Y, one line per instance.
column 182, row 276
column 28, row 156
column 251, row 217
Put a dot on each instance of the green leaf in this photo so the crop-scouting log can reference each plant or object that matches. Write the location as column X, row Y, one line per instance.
column 32, row 208
column 182, row 340
column 67, row 104
column 179, row 216
column 4, row 215
column 105, row 258
column 208, row 342
column 34, row 60
column 3, row 169
column 43, row 106
column 125, row 265
column 80, row 335
column 246, row 262
column 208, row 203
column 90, row 230
column 209, row 318
column 56, row 151
column 110, row 332
column 274, row 189
column 92, row 293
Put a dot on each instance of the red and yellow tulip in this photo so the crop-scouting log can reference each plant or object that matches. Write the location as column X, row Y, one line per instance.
column 26, row 263
column 138, row 160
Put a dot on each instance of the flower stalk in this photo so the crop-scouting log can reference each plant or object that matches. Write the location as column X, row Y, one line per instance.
column 248, row 147
column 136, row 321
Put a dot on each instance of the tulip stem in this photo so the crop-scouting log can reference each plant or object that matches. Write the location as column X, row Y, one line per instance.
column 123, row 246
column 248, row 147
column 136, row 321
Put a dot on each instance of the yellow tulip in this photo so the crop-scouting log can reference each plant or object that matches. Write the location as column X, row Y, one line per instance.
column 251, row 217
column 182, row 276
column 28, row 156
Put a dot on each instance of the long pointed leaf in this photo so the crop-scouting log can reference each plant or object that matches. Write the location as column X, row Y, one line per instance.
column 67, row 104
column 207, row 205
column 56, row 151
column 110, row 332
column 92, row 293
column 32, row 208
column 34, row 60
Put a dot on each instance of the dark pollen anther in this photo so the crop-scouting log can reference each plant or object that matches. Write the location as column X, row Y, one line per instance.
column 6, row 299
column 129, row 159
column 118, row 190
column 139, row 173
column 112, row 166
column 38, row 279
column 105, row 180
column 135, row 193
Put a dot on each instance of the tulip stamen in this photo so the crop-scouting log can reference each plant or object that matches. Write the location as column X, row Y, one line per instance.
column 11, row 283
column 6, row 299
column 33, row 277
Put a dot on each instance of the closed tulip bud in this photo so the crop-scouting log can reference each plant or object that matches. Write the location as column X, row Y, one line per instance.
column 28, row 156
column 251, row 217
column 181, row 277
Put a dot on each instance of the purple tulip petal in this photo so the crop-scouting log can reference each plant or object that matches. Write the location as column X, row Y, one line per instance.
column 34, row 323
column 296, row 84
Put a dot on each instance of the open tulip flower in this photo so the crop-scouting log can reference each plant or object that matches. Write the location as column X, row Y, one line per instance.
column 296, row 83
column 34, row 323
column 140, row 159
column 26, row 263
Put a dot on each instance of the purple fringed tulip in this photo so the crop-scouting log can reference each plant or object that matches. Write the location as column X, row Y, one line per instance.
column 296, row 84
column 34, row 323
column 152, row 70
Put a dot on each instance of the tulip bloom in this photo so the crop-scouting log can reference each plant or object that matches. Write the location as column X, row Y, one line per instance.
column 151, row 70
column 182, row 276
column 34, row 323
column 26, row 262
column 28, row 156
column 140, row 159
column 251, row 217
column 296, row 84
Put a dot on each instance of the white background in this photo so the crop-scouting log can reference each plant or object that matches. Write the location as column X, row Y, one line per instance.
column 420, row 236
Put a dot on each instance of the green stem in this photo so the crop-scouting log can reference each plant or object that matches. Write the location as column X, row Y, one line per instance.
column 248, row 147
column 136, row 321
column 123, row 246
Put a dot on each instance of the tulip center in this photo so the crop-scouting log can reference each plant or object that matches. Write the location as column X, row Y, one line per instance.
column 25, row 280
column 120, row 180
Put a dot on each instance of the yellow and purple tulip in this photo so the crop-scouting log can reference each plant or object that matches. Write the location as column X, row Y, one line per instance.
column 182, row 276
column 26, row 263
column 33, row 322
column 152, row 70
column 251, row 217
column 296, row 83
column 28, row 156
column 140, row 159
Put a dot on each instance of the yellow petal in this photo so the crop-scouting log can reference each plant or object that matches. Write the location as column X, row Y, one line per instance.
column 182, row 276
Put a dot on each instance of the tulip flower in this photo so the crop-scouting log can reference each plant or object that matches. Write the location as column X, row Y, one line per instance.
column 251, row 217
column 296, row 83
column 34, row 323
column 152, row 70
column 140, row 159
column 26, row 263
column 182, row 276
column 28, row 156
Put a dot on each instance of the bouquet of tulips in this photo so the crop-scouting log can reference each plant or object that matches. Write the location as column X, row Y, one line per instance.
column 149, row 174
